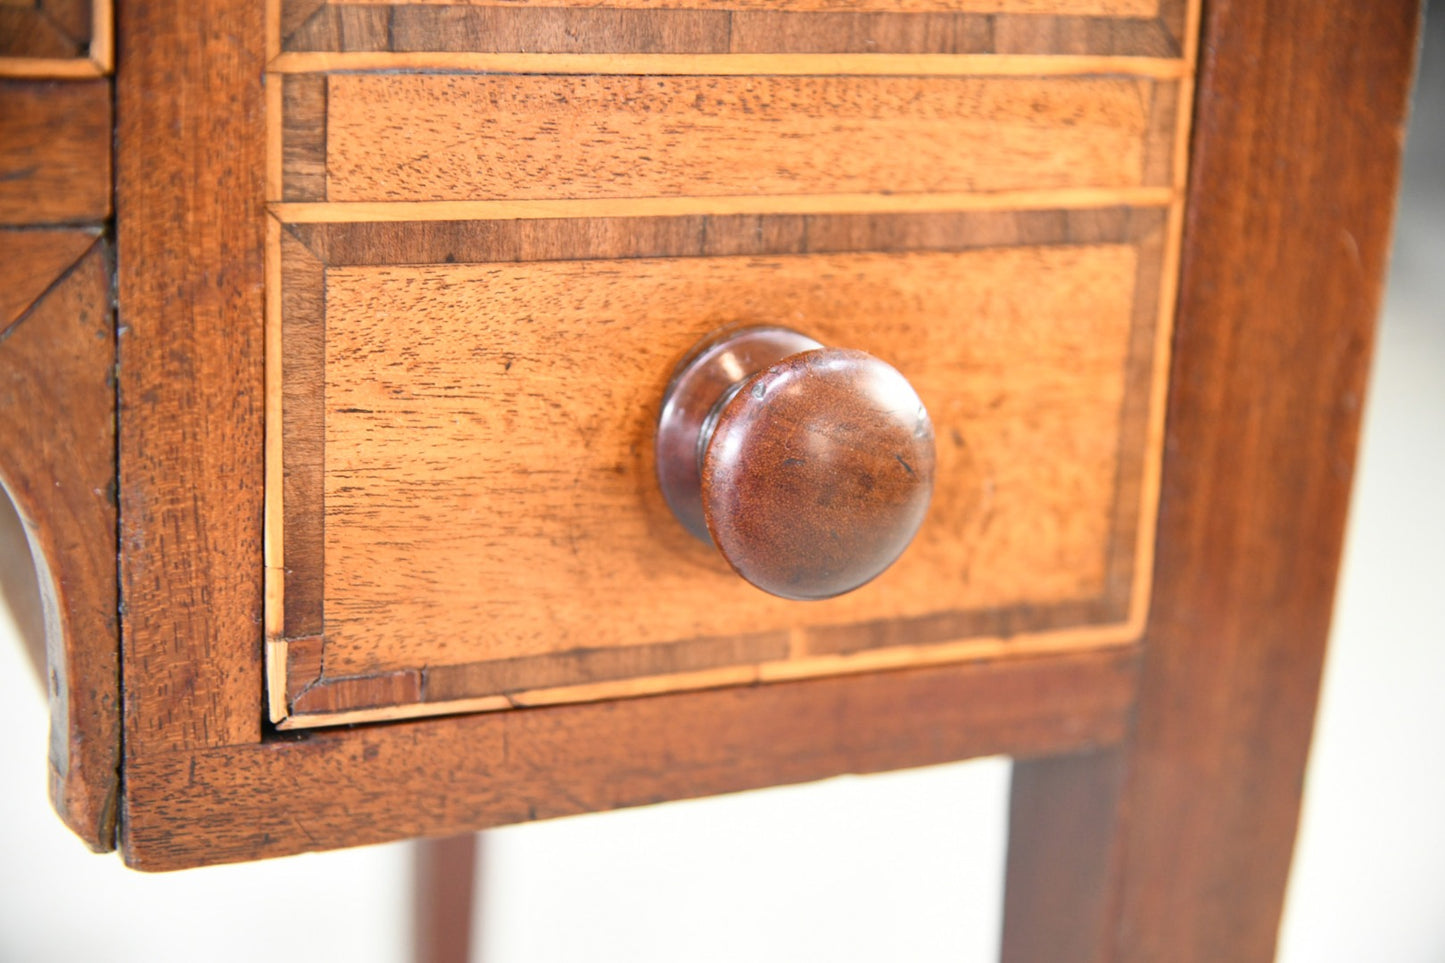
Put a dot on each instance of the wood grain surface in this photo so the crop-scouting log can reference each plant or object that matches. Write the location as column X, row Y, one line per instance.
column 33, row 262
column 57, row 463
column 713, row 29
column 523, row 400
column 1296, row 159
column 1278, row 298
column 1063, row 816
column 1022, row 201
column 46, row 29
column 190, row 169
column 54, row 151
column 57, row 39
column 817, row 475
column 349, row 787
column 202, row 781
column 1258, row 482
column 488, row 441
column 302, row 349
column 1108, row 8
column 437, row 137
column 445, row 875
column 303, row 133
column 732, row 64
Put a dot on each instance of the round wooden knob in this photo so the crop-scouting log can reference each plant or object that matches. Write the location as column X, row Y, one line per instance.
column 810, row 468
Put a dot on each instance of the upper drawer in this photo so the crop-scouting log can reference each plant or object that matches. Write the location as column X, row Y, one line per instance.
column 468, row 137
column 489, row 250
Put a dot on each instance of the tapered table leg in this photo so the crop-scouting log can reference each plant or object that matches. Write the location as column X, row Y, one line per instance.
column 446, row 871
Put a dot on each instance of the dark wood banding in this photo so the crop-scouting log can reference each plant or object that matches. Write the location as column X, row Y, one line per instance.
column 349, row 28
column 295, row 13
column 600, row 665
column 999, row 623
column 303, row 137
column 1096, row 36
column 462, row 242
column 557, row 30
column 303, row 664
column 1174, row 18
column 359, row 692
column 1159, row 143
column 303, row 436
column 1132, row 464
column 501, row 28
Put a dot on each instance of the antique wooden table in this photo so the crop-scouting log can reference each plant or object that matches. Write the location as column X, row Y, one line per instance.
column 331, row 416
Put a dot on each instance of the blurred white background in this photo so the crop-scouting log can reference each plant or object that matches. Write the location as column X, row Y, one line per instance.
column 906, row 866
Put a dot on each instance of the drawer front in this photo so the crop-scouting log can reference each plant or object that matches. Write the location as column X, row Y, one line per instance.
column 489, row 249
column 462, row 137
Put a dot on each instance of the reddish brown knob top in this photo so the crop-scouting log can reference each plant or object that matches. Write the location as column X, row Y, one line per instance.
column 812, row 468
column 818, row 473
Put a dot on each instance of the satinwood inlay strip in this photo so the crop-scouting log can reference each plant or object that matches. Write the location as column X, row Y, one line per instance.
column 809, row 204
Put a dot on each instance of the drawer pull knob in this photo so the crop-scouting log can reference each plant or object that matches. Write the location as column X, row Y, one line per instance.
column 810, row 468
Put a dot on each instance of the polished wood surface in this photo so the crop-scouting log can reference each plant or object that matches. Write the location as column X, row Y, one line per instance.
column 1063, row 813
column 32, row 263
column 818, row 473
column 1158, row 786
column 329, row 788
column 58, row 39
column 1248, row 560
column 44, row 29
column 1288, row 233
column 57, row 445
column 1032, row 537
column 1086, row 200
column 1138, row 8
column 396, row 168
column 710, row 373
column 1140, row 30
column 190, row 163
column 438, row 137
column 691, row 166
column 1233, row 598
column 444, row 895
column 57, row 388
column 54, row 151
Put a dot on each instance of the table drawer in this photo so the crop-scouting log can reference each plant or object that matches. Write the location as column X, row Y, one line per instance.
column 464, row 137
column 485, row 265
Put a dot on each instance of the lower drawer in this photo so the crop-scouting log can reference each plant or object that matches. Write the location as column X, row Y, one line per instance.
column 464, row 513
